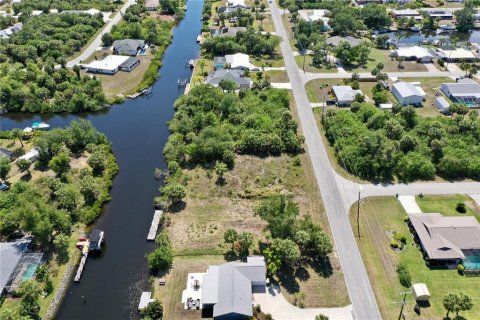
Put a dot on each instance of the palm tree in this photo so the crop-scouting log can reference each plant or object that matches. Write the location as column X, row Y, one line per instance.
column 17, row 134
column 201, row 64
column 76, row 69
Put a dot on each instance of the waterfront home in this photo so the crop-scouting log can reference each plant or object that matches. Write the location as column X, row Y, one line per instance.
column 128, row 47
column 416, row 53
column 227, row 31
column 6, row 33
column 237, row 61
column 442, row 14
column 226, row 74
column 456, row 54
column 31, row 155
column 345, row 95
column 111, row 64
column 6, row 153
column 446, row 239
column 227, row 289
column 336, row 40
column 406, row 13
column 18, row 264
column 237, row 4
column 465, row 91
column 152, row 5
column 408, row 93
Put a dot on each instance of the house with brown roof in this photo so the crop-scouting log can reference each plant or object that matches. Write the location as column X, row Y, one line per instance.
column 445, row 238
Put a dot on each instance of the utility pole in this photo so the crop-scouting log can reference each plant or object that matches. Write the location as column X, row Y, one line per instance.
column 360, row 189
column 403, row 302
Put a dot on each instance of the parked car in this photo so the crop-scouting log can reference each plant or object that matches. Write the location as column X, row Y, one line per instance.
column 3, row 187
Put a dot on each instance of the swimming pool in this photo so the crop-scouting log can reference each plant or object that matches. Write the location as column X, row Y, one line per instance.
column 142, row 52
column 29, row 272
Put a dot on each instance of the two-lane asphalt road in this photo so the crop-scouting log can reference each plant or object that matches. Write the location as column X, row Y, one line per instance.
column 361, row 295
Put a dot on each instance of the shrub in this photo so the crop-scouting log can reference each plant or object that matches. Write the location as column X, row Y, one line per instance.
column 404, row 276
column 406, row 219
column 460, row 268
column 460, row 207
column 394, row 244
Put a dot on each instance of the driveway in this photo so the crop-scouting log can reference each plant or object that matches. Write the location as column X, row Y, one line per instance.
column 409, row 204
column 273, row 302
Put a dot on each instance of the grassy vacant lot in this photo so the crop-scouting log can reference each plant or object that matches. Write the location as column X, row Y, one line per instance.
column 309, row 67
column 391, row 65
column 288, row 27
column 446, row 205
column 123, row 82
column 196, row 231
column 430, row 86
column 379, row 215
column 277, row 76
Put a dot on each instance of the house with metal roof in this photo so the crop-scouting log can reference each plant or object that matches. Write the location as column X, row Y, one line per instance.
column 445, row 238
column 467, row 92
column 406, row 13
column 228, row 288
column 128, row 47
column 408, row 93
column 109, row 65
column 6, row 33
column 345, row 95
column 227, row 74
column 152, row 5
column 416, row 53
column 6, row 153
column 237, row 61
column 442, row 105
column 442, row 14
column 456, row 54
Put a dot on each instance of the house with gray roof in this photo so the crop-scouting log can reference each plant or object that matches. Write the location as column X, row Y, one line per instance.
column 345, row 95
column 445, row 238
column 335, row 41
column 463, row 92
column 227, row 31
column 10, row 255
column 228, row 74
column 228, row 288
column 128, row 47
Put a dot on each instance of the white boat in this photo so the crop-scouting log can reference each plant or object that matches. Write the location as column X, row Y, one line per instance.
column 40, row 126
column 191, row 63
column 27, row 130
column 185, row 8
column 199, row 38
column 415, row 29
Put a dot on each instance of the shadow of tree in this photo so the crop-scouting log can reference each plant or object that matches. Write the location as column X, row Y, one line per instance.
column 302, row 274
column 288, row 280
column 322, row 266
column 230, row 255
column 177, row 207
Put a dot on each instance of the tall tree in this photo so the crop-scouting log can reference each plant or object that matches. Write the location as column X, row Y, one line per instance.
column 17, row 133
column 450, row 302
column 5, row 167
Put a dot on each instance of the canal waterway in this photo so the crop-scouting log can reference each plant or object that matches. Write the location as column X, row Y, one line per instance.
column 113, row 282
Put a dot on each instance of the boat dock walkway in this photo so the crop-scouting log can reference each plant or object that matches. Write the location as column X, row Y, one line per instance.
column 154, row 226
column 81, row 266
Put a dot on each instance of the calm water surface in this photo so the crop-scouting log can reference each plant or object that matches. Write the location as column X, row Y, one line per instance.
column 138, row 130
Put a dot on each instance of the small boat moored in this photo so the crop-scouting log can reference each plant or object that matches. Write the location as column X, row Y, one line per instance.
column 39, row 126
column 191, row 63
column 199, row 38
column 96, row 239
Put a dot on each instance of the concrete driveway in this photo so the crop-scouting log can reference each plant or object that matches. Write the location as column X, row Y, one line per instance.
column 273, row 302
column 409, row 204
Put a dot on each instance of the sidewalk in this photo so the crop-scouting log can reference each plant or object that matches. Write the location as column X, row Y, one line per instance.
column 273, row 302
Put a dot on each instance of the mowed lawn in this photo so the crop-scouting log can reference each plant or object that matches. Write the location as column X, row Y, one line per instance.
column 446, row 205
column 390, row 65
column 431, row 86
column 318, row 89
column 309, row 67
column 379, row 215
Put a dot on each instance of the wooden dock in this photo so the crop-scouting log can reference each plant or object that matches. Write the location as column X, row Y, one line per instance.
column 80, row 267
column 152, row 233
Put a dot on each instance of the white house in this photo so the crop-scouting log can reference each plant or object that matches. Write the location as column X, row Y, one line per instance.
column 237, row 4
column 345, row 94
column 456, row 54
column 238, row 61
column 408, row 93
column 417, row 53
column 406, row 13
column 109, row 65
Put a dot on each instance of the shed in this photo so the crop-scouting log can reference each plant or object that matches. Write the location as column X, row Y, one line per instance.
column 442, row 104
column 420, row 292
column 386, row 106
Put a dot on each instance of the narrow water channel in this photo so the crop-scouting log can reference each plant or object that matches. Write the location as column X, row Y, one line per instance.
column 112, row 283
